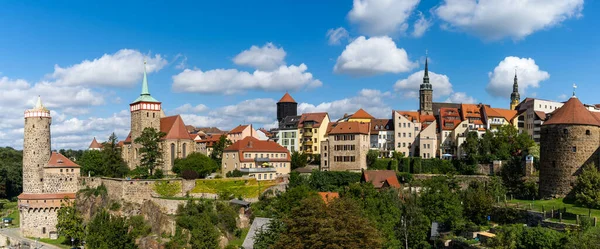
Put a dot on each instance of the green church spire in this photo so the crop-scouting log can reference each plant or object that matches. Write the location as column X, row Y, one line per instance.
column 145, row 95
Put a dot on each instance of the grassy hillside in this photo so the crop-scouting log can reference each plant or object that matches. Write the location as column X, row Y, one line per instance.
column 247, row 188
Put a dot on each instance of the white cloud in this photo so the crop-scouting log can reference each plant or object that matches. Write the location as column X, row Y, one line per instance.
column 409, row 87
column 267, row 57
column 497, row 19
column 421, row 25
column 189, row 108
column 121, row 69
column 562, row 97
column 502, row 78
column 337, row 35
column 460, row 97
column 370, row 100
column 232, row 81
column 375, row 55
column 260, row 112
column 381, row 17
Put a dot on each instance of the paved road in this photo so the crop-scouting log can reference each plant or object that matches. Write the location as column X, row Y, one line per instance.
column 16, row 234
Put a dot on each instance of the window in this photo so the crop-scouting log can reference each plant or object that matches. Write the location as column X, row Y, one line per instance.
column 409, row 134
column 404, row 134
column 259, row 176
column 574, row 149
column 587, row 132
column 184, row 150
column 565, row 131
column 403, row 144
column 60, row 170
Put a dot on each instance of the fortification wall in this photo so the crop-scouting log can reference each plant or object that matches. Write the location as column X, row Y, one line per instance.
column 464, row 180
column 39, row 222
column 135, row 191
column 61, row 182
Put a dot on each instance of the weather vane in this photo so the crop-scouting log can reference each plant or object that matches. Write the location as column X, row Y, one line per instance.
column 574, row 87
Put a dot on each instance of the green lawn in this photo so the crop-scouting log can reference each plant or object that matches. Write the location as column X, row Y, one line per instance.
column 57, row 242
column 557, row 204
column 239, row 241
column 247, row 188
column 11, row 210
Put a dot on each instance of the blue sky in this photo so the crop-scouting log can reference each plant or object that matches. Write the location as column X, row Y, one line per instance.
column 85, row 59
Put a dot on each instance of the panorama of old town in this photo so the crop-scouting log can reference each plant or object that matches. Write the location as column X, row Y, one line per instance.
column 300, row 124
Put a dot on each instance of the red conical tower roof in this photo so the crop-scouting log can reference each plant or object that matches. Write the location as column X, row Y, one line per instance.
column 95, row 144
column 287, row 98
column 573, row 112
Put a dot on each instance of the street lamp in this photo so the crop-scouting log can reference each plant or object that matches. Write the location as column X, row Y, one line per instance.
column 72, row 242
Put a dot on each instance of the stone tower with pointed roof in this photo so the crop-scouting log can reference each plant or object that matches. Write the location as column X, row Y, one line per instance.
column 426, row 93
column 36, row 147
column 48, row 177
column 286, row 107
column 145, row 113
column 570, row 139
column 515, row 97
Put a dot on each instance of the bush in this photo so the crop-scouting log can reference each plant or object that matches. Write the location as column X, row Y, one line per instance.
column 416, row 165
column 437, row 166
column 587, row 187
column 380, row 164
column 115, row 206
column 405, row 164
column 234, row 173
column 332, row 180
column 197, row 162
column 393, row 165
column 189, row 174
column 404, row 177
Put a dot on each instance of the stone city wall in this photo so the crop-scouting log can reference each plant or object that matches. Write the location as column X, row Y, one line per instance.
column 38, row 222
column 136, row 191
column 464, row 180
column 61, row 182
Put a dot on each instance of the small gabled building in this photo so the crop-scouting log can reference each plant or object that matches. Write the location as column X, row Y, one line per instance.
column 346, row 147
column 240, row 132
column 312, row 128
column 95, row 145
column 382, row 136
column 263, row 160
column 381, row 178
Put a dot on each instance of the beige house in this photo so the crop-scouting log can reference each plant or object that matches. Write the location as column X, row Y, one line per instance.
column 240, row 132
column 312, row 128
column 346, row 147
column 428, row 141
column 263, row 160
column 406, row 132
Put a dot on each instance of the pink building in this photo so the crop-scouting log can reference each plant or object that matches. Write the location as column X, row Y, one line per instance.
column 241, row 132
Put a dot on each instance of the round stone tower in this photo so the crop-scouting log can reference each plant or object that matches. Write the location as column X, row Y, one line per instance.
column 570, row 139
column 36, row 147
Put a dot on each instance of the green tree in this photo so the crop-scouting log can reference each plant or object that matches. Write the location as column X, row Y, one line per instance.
column 372, row 156
column 265, row 238
column 520, row 237
column 107, row 231
column 589, row 239
column 587, row 187
column 11, row 171
column 201, row 220
column 471, row 147
column 151, row 151
column 196, row 162
column 218, row 147
column 477, row 203
column 92, row 163
column 413, row 228
column 299, row 160
column 114, row 165
column 70, row 222
column 441, row 203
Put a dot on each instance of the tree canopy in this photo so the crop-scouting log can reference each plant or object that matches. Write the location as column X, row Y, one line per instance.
column 218, row 147
column 587, row 187
column 199, row 163
column 151, row 151
column 11, row 172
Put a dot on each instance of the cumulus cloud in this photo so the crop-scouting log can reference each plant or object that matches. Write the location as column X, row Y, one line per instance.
column 371, row 100
column 121, row 69
column 260, row 112
column 409, row 87
column 460, row 97
column 267, row 57
column 494, row 20
column 232, row 81
column 501, row 79
column 189, row 108
column 421, row 25
column 337, row 35
column 381, row 17
column 375, row 55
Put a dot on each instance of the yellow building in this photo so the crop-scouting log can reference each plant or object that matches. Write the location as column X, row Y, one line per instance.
column 361, row 116
column 312, row 128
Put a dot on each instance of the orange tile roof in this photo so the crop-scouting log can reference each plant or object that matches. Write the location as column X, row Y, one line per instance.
column 120, row 144
column 190, row 128
column 210, row 140
column 25, row 196
column 541, row 115
column 427, row 118
column 327, row 197
column 57, row 160
column 252, row 144
column 193, row 136
column 381, row 125
column 362, row 114
column 128, row 139
column 267, row 133
column 381, row 178
column 287, row 98
column 95, row 144
column 330, row 127
column 470, row 111
column 507, row 114
column 317, row 117
column 238, row 129
column 412, row 116
column 350, row 128
column 478, row 122
column 573, row 112
column 174, row 127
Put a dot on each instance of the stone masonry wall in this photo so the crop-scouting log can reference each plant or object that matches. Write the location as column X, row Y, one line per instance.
column 61, row 182
column 564, row 149
column 177, row 153
column 38, row 222
column 361, row 143
column 139, row 120
column 36, row 153
column 135, row 191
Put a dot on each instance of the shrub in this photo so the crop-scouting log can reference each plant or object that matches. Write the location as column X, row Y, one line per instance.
column 416, row 165
column 404, row 177
column 234, row 173
column 405, row 164
column 115, row 206
column 380, row 164
column 189, row 174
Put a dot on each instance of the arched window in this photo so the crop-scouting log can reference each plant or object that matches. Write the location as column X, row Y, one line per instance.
column 184, row 150
column 172, row 154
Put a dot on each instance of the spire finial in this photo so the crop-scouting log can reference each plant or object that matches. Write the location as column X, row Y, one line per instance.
column 426, row 63
column 145, row 90
column 38, row 104
column 574, row 87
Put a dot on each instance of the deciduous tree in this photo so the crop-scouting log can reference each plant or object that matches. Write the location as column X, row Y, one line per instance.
column 587, row 187
column 218, row 147
column 70, row 222
column 151, row 151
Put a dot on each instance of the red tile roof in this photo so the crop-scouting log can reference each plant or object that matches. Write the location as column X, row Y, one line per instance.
column 470, row 111
column 120, row 144
column 381, row 125
column 317, row 117
column 541, row 115
column 128, row 139
column 238, row 129
column 412, row 116
column 381, row 178
column 25, row 196
column 174, row 128
column 350, row 128
column 193, row 136
column 211, row 130
column 362, row 114
column 95, row 144
column 57, row 160
column 251, row 144
column 327, row 197
column 287, row 98
column 573, row 112
column 267, row 133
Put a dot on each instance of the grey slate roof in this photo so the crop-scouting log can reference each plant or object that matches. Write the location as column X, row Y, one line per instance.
column 257, row 224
